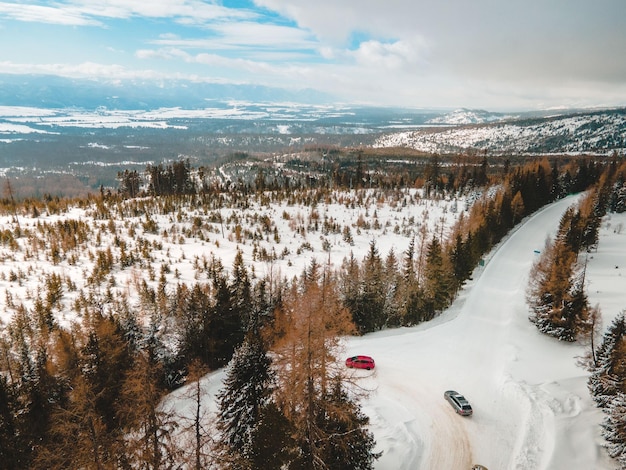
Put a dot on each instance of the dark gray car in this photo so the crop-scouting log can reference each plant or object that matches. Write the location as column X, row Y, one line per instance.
column 458, row 402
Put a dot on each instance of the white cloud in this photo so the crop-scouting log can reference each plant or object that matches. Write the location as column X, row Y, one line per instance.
column 243, row 36
column 93, row 12
column 82, row 70
column 404, row 54
column 45, row 14
column 191, row 11
column 415, row 52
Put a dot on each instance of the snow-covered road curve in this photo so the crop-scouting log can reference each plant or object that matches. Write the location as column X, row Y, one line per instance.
column 483, row 347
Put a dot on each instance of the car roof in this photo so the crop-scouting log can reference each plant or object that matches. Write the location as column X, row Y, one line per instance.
column 457, row 396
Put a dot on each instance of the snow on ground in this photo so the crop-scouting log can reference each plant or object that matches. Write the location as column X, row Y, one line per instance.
column 532, row 410
column 592, row 132
column 390, row 219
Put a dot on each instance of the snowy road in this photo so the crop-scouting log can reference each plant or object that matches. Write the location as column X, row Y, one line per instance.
column 484, row 347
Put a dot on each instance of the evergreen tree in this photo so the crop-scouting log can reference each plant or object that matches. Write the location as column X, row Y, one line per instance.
column 461, row 260
column 241, row 291
column 350, row 444
column 618, row 197
column 570, row 229
column 409, row 293
column 575, row 311
column 194, row 317
column 392, row 280
column 246, row 392
column 350, row 282
column 11, row 449
column 609, row 375
column 370, row 316
column 225, row 330
column 274, row 446
column 42, row 393
column 614, row 428
column 439, row 285
column 210, row 325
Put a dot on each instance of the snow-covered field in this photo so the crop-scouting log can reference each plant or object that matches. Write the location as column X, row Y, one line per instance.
column 532, row 410
column 389, row 218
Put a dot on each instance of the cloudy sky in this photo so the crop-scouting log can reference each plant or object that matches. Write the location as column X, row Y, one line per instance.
column 491, row 54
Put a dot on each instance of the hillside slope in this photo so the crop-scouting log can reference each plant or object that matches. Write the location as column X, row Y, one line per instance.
column 593, row 132
column 532, row 410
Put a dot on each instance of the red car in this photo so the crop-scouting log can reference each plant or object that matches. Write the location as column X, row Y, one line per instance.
column 360, row 362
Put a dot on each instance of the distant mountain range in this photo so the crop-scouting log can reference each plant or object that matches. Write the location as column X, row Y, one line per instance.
column 48, row 91
column 95, row 129
column 595, row 131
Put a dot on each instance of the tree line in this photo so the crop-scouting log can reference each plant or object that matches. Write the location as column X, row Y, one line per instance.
column 560, row 307
column 556, row 290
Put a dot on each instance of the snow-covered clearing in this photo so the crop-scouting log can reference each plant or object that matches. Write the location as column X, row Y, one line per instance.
column 531, row 406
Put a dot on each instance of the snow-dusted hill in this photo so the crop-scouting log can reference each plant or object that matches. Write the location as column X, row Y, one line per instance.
column 597, row 132
column 532, row 410
column 277, row 239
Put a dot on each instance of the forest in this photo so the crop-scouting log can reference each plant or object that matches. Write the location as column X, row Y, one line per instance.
column 85, row 363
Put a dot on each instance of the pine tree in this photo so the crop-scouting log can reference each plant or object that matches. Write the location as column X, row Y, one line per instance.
column 247, row 391
column 576, row 307
column 373, row 293
column 241, row 291
column 274, row 446
column 210, row 326
column 11, row 449
column 461, row 261
column 350, row 282
column 609, row 375
column 224, row 330
column 439, row 285
column 614, row 428
column 195, row 315
column 43, row 392
column 392, row 282
column 349, row 443
column 409, row 293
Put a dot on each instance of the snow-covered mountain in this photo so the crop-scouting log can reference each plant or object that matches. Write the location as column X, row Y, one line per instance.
column 592, row 132
column 469, row 116
column 49, row 91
